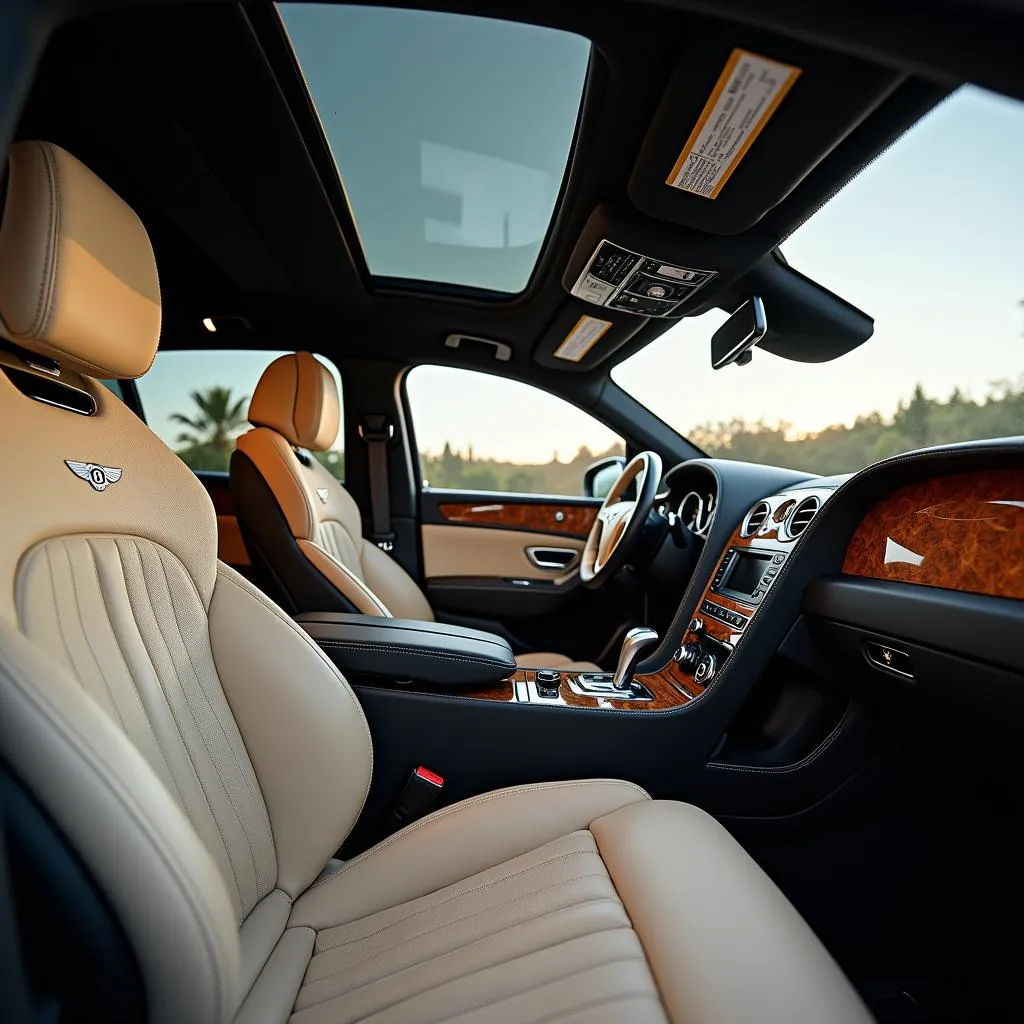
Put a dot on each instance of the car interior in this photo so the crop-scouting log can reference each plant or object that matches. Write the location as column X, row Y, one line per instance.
column 324, row 698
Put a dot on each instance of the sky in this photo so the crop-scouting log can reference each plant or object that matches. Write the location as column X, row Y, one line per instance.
column 929, row 240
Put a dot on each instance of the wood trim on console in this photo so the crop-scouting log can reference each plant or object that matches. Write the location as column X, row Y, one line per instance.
column 666, row 694
column 963, row 532
column 575, row 521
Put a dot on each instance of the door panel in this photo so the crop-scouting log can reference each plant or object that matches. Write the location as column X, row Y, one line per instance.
column 484, row 558
column 481, row 551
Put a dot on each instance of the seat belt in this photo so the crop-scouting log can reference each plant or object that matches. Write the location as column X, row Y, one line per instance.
column 376, row 430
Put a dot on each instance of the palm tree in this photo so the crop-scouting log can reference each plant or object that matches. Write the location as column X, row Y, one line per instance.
column 211, row 432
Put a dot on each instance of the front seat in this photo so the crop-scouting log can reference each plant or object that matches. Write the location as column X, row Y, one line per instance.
column 204, row 760
column 302, row 529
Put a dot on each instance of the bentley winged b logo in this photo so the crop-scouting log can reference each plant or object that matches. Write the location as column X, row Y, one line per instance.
column 101, row 477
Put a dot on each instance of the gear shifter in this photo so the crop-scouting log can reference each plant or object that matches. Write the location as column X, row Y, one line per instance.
column 636, row 640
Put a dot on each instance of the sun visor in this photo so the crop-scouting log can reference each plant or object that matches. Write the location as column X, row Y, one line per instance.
column 744, row 119
column 806, row 322
column 580, row 336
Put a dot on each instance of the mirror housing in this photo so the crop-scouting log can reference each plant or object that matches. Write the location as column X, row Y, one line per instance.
column 600, row 476
column 734, row 340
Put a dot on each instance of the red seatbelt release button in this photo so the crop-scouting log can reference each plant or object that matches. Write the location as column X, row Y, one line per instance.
column 420, row 796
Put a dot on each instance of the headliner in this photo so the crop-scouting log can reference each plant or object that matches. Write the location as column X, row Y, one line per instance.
column 222, row 155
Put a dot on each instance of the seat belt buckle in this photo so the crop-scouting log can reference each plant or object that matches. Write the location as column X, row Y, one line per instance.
column 419, row 797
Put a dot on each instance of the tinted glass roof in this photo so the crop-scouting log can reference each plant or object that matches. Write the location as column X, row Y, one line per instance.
column 451, row 134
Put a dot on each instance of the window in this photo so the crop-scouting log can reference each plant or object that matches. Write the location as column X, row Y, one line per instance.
column 197, row 401
column 928, row 240
column 451, row 134
column 477, row 432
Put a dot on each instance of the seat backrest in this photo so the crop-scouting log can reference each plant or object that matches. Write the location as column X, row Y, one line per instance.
column 198, row 752
column 302, row 528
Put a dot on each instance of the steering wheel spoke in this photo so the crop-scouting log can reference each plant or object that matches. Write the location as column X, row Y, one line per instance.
column 618, row 524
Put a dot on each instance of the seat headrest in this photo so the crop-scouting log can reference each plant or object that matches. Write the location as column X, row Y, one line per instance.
column 78, row 279
column 297, row 397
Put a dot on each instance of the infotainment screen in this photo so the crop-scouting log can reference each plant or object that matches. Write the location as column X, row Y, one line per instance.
column 745, row 573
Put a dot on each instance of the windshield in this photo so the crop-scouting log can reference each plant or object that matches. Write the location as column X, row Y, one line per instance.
column 929, row 241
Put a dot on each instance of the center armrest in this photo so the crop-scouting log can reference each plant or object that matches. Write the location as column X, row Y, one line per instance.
column 400, row 649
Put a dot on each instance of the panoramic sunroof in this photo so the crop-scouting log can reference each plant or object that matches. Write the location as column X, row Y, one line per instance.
column 451, row 134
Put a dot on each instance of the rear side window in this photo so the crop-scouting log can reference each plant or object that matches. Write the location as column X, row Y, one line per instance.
column 198, row 404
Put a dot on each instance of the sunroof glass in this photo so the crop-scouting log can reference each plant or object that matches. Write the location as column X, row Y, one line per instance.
column 451, row 134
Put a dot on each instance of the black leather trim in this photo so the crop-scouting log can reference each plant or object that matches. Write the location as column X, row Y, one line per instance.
column 280, row 569
column 400, row 649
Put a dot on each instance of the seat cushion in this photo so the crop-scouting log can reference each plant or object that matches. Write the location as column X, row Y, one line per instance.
column 580, row 901
column 548, row 659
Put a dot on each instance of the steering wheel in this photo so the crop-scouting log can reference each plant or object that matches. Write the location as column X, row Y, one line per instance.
column 619, row 523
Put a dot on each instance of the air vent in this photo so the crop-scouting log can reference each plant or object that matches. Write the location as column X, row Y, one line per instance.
column 755, row 519
column 800, row 518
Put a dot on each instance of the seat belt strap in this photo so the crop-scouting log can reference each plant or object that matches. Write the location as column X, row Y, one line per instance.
column 377, row 430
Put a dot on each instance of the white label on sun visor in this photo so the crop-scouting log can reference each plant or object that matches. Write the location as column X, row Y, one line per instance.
column 745, row 96
column 582, row 338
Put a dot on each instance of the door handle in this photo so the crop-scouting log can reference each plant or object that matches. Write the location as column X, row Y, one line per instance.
column 552, row 558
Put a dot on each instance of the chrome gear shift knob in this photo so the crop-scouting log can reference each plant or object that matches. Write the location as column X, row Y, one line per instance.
column 635, row 642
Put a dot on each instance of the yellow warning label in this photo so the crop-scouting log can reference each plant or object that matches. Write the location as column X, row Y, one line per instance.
column 582, row 338
column 746, row 94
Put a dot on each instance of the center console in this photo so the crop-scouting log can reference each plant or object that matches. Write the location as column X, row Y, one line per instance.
column 746, row 572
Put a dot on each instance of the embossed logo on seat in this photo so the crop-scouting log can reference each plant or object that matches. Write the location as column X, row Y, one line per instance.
column 101, row 477
column 323, row 494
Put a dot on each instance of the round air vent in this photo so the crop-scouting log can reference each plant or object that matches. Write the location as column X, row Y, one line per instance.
column 755, row 519
column 800, row 518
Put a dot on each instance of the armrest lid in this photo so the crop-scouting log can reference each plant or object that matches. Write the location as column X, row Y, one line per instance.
column 431, row 652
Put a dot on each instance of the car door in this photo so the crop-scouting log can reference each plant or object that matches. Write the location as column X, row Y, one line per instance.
column 503, row 516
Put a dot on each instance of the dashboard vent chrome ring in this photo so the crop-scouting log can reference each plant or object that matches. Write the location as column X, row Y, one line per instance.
column 801, row 516
column 755, row 519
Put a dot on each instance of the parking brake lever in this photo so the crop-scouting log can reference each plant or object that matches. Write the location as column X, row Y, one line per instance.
column 635, row 642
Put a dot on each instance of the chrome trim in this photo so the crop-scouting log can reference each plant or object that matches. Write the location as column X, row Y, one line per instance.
column 745, row 530
column 537, row 559
column 795, row 510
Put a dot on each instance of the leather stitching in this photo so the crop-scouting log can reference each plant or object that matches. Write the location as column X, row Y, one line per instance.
column 184, row 743
column 490, row 909
column 243, row 823
column 460, row 895
column 385, row 647
column 595, row 1003
column 476, row 801
column 145, row 713
column 88, row 640
column 458, row 948
column 51, row 273
column 525, row 923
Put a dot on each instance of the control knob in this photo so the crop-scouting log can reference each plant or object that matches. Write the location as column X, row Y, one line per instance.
column 548, row 681
column 688, row 656
column 705, row 669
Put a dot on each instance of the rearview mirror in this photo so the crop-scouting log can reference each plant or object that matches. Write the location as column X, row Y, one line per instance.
column 733, row 341
column 599, row 477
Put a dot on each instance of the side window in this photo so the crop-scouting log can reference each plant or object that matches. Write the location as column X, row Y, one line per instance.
column 197, row 401
column 478, row 432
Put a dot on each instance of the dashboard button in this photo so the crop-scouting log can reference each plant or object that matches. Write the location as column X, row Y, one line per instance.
column 779, row 559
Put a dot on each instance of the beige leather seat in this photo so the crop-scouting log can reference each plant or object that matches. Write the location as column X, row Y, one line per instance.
column 206, row 760
column 301, row 526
